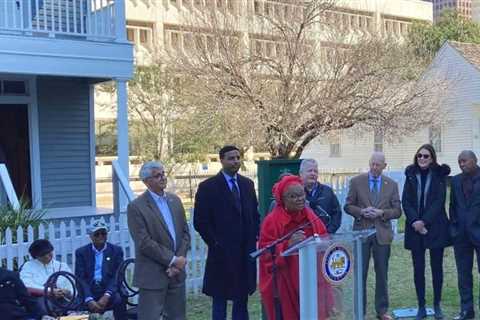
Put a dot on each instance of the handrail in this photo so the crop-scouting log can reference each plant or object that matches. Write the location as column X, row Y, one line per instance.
column 122, row 180
column 6, row 182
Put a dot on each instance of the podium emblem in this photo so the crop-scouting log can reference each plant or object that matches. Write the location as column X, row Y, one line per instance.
column 336, row 264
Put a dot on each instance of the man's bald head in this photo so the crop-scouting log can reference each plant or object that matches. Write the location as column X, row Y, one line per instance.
column 468, row 154
column 467, row 161
column 377, row 163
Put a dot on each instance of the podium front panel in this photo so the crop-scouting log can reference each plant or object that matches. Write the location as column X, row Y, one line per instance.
column 335, row 281
column 330, row 276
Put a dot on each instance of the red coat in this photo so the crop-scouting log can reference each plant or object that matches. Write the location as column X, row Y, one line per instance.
column 276, row 224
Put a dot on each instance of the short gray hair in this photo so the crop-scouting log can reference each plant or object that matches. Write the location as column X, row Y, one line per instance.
column 147, row 167
column 307, row 163
column 378, row 155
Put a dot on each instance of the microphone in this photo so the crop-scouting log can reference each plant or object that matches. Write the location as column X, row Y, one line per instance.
column 322, row 214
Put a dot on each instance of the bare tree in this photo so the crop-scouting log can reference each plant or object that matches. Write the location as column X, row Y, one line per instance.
column 296, row 75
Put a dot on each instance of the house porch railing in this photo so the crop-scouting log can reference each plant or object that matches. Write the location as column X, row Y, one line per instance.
column 100, row 20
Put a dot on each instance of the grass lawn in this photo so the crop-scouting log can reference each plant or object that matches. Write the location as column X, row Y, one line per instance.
column 402, row 290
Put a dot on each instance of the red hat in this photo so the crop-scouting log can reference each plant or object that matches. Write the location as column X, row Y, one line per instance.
column 281, row 185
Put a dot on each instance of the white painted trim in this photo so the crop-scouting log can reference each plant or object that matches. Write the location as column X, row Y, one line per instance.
column 6, row 182
column 64, row 57
column 33, row 131
column 122, row 137
column 91, row 111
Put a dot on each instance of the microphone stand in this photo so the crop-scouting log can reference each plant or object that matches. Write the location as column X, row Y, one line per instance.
column 272, row 249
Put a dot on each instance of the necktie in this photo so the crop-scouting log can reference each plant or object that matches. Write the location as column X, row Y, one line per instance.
column 375, row 190
column 236, row 194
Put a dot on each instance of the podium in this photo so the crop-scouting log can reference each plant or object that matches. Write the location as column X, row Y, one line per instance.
column 338, row 259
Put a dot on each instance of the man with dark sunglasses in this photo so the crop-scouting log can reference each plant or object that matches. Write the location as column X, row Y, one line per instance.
column 96, row 265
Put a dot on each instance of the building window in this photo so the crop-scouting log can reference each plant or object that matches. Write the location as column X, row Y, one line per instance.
column 257, row 7
column 334, row 141
column 378, row 141
column 435, row 138
column 143, row 36
column 131, row 35
column 174, row 40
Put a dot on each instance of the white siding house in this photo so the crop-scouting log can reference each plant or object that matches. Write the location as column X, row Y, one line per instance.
column 459, row 63
column 52, row 53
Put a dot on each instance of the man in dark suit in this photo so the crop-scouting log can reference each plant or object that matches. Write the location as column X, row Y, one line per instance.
column 373, row 200
column 96, row 265
column 465, row 227
column 157, row 223
column 226, row 216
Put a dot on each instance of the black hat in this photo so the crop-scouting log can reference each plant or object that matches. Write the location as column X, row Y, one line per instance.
column 40, row 248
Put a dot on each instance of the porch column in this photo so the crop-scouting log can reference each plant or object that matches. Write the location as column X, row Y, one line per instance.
column 122, row 140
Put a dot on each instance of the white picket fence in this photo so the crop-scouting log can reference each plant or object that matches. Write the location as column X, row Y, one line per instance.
column 66, row 237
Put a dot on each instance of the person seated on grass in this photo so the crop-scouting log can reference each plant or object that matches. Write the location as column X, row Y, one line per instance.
column 15, row 301
column 36, row 272
column 96, row 266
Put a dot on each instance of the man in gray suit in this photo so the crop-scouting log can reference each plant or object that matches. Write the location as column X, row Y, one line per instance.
column 156, row 221
column 373, row 200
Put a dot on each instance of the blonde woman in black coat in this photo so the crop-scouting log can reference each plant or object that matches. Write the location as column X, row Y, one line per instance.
column 426, row 225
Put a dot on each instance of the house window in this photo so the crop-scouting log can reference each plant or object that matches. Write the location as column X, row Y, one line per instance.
column 435, row 138
column 13, row 88
column 378, row 141
column 334, row 141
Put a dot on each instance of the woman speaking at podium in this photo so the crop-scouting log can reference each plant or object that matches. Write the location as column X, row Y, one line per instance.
column 289, row 213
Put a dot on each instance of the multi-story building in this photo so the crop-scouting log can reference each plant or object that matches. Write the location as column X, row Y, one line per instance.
column 160, row 22
column 463, row 7
column 476, row 10
column 154, row 25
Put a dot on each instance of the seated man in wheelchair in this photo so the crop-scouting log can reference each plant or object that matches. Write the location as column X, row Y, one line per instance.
column 35, row 273
column 15, row 301
column 96, row 266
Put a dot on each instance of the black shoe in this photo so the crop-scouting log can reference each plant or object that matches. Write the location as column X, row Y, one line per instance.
column 421, row 313
column 464, row 315
column 438, row 312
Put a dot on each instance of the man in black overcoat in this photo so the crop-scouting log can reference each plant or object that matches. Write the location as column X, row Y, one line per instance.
column 465, row 227
column 226, row 216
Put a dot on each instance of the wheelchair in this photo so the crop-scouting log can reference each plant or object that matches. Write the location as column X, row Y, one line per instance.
column 126, row 289
column 74, row 303
column 70, row 304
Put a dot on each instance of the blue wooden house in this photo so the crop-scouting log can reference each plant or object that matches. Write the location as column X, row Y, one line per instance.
column 52, row 54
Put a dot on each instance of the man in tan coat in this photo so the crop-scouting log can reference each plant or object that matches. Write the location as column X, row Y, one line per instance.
column 373, row 201
column 156, row 221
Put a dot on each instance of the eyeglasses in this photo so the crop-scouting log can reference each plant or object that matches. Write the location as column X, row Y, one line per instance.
column 100, row 234
column 159, row 175
column 295, row 196
column 423, row 155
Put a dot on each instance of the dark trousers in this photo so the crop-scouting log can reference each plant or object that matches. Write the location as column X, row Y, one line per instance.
column 436, row 264
column 239, row 308
column 381, row 255
column 116, row 303
column 464, row 251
